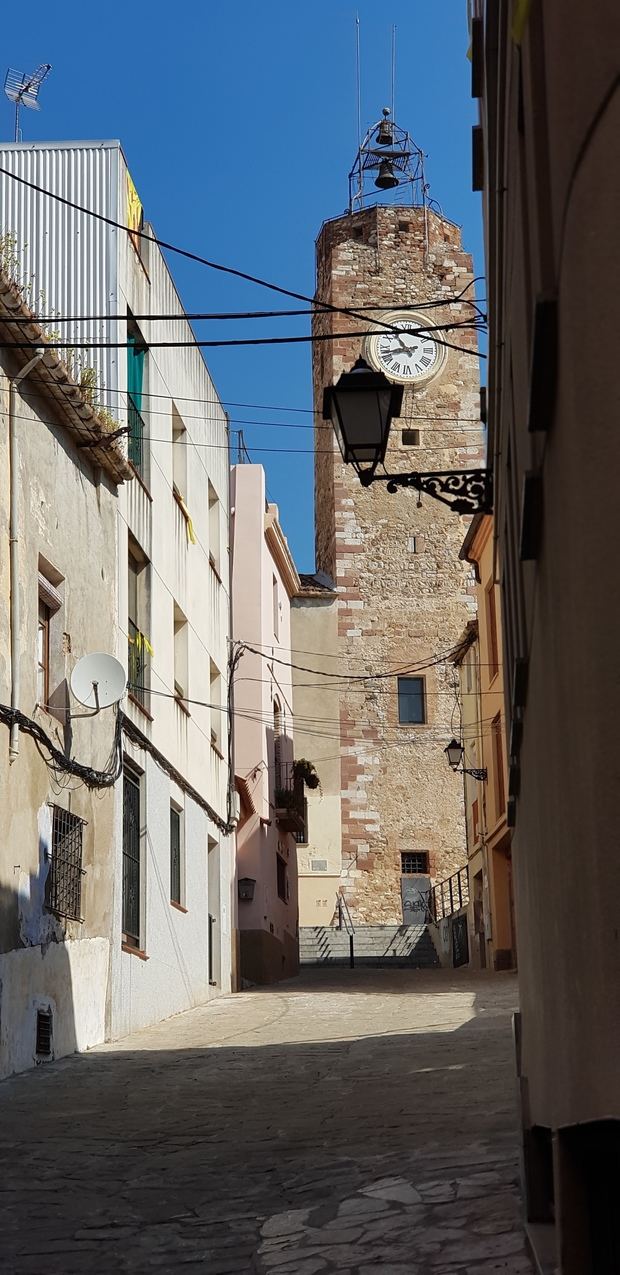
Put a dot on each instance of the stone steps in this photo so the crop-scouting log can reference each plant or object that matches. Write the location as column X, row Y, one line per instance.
column 396, row 946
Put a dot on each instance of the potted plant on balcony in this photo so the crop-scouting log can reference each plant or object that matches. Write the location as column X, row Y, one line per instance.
column 306, row 771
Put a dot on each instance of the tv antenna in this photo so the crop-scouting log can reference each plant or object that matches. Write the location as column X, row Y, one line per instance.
column 97, row 681
column 23, row 90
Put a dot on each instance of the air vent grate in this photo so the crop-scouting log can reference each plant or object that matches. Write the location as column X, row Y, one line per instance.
column 44, row 1033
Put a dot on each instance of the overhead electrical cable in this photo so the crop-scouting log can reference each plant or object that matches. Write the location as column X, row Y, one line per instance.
column 220, row 344
column 192, row 256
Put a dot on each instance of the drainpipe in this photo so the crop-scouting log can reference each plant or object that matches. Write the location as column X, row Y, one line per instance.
column 14, row 550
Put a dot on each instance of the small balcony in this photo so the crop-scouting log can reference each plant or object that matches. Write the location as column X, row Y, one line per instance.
column 290, row 805
column 135, row 442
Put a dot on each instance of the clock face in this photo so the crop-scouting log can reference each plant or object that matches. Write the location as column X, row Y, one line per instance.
column 406, row 356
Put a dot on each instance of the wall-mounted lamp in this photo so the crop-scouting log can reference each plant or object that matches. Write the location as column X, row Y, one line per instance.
column 454, row 752
column 245, row 888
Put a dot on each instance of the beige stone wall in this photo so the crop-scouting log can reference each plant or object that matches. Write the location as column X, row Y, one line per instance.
column 396, row 607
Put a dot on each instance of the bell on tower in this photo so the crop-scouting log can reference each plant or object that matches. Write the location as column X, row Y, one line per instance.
column 389, row 158
column 385, row 136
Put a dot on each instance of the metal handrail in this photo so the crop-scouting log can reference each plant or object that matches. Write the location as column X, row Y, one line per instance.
column 345, row 915
column 449, row 896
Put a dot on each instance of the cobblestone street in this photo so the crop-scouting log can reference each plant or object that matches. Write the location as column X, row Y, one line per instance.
column 361, row 1122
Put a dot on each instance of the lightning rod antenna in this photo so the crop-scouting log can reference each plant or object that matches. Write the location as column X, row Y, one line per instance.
column 358, row 80
column 393, row 68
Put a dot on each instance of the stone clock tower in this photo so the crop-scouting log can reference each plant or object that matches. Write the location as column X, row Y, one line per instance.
column 402, row 591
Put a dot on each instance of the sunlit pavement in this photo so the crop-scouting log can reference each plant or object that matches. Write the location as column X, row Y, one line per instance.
column 359, row 1122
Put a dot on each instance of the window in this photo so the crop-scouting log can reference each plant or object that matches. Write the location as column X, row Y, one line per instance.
column 475, row 820
column 279, row 759
column 412, row 544
column 301, row 837
column 412, row 861
column 215, row 700
column 43, row 1036
column 404, row 226
column 276, row 608
column 136, row 359
column 131, row 857
column 179, row 454
column 498, row 758
column 175, row 854
column 63, row 888
column 492, row 632
column 139, row 647
column 282, row 878
column 43, row 655
column 50, row 603
column 411, row 437
column 181, row 630
column 214, row 529
column 411, row 700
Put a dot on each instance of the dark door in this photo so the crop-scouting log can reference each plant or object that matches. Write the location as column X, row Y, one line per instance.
column 415, row 889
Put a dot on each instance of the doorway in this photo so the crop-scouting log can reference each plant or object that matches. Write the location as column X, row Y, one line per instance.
column 415, row 885
column 214, row 927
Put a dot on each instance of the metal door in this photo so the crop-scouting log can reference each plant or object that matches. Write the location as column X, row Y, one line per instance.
column 415, row 889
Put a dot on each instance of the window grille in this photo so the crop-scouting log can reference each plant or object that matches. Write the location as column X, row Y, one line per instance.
column 175, row 855
column 64, row 879
column 43, row 1043
column 131, row 857
column 413, row 861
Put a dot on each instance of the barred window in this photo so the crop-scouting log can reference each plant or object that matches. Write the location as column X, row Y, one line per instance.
column 131, row 857
column 175, row 855
column 63, row 888
column 412, row 861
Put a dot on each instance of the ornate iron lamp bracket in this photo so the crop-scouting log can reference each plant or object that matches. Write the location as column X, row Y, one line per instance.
column 465, row 491
column 475, row 771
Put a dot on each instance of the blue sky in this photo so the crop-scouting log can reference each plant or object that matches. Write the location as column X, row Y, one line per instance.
column 238, row 121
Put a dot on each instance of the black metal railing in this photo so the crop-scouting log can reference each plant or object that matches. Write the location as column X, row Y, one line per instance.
column 135, row 441
column 345, row 922
column 131, row 858
column 449, row 896
column 290, row 794
column 137, row 662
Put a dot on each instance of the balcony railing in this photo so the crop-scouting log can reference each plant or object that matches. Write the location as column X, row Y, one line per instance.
column 290, row 801
column 135, row 442
column 137, row 663
column 449, row 896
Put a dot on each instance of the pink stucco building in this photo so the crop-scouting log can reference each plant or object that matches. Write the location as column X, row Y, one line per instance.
column 264, row 579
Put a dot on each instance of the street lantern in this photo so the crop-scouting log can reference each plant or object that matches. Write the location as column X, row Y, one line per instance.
column 361, row 406
column 454, row 752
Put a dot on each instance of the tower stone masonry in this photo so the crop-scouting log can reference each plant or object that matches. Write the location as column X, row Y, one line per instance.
column 404, row 596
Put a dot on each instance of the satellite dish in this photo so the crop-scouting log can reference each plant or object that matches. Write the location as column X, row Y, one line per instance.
column 98, row 680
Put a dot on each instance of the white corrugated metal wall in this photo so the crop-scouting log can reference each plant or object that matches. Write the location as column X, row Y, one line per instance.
column 71, row 256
